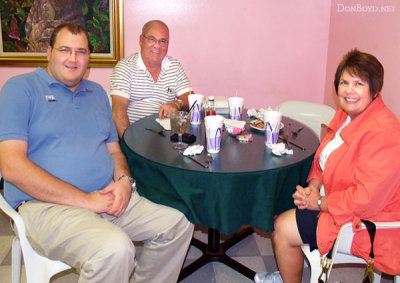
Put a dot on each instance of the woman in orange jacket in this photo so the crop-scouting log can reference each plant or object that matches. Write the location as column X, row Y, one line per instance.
column 358, row 166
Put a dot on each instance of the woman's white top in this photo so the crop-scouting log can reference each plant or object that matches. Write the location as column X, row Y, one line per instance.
column 332, row 145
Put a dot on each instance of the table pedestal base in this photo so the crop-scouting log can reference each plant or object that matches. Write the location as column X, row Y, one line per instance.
column 215, row 251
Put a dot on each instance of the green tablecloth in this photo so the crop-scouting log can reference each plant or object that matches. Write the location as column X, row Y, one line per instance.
column 224, row 199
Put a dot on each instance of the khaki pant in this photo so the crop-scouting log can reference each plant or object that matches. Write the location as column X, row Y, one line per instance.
column 100, row 246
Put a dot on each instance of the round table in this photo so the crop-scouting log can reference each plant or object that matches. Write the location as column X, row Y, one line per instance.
column 248, row 185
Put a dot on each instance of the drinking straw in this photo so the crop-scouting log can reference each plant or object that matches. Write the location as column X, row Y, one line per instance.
column 191, row 107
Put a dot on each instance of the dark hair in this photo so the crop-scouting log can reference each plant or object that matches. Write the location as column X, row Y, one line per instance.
column 74, row 29
column 363, row 65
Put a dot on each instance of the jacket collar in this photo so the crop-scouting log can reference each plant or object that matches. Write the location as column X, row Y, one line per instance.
column 362, row 122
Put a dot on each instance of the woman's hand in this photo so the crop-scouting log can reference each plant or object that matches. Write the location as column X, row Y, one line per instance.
column 306, row 198
column 300, row 197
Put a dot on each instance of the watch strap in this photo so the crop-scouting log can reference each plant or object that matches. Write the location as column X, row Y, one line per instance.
column 319, row 202
column 130, row 179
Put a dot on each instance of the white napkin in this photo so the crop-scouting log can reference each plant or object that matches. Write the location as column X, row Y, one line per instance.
column 254, row 113
column 193, row 150
column 165, row 123
column 279, row 149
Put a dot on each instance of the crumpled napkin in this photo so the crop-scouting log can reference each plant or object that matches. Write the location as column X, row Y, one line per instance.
column 279, row 149
column 234, row 127
column 165, row 123
column 254, row 113
column 193, row 150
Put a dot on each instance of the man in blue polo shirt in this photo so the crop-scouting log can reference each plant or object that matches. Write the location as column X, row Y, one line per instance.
column 69, row 180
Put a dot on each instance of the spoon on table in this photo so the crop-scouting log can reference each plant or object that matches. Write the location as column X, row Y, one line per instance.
column 209, row 159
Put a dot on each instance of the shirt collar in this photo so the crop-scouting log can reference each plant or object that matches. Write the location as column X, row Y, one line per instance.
column 165, row 63
column 83, row 86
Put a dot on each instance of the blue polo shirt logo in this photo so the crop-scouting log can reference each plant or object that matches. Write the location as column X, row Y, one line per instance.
column 50, row 98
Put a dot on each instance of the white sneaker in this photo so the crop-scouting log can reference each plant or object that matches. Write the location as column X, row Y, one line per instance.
column 268, row 277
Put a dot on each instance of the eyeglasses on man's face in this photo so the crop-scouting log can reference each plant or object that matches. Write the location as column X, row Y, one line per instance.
column 152, row 40
column 66, row 51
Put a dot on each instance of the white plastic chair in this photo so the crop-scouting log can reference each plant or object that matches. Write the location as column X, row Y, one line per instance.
column 38, row 269
column 341, row 252
column 309, row 113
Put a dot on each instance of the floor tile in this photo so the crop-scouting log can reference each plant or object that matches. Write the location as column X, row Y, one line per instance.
column 263, row 242
column 225, row 274
column 246, row 247
column 204, row 274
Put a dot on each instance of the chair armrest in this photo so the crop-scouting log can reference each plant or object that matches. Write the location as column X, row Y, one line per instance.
column 13, row 214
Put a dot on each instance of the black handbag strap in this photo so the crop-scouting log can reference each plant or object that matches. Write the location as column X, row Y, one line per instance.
column 369, row 271
column 371, row 228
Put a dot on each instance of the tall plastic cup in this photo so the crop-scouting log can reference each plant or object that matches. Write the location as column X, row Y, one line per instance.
column 235, row 107
column 272, row 122
column 213, row 126
column 195, row 113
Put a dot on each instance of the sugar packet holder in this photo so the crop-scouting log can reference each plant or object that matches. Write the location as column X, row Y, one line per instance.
column 245, row 138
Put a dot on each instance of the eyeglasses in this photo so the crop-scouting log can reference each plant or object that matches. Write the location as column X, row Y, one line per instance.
column 163, row 42
column 66, row 51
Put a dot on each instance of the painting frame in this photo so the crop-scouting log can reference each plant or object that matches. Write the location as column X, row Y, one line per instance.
column 36, row 59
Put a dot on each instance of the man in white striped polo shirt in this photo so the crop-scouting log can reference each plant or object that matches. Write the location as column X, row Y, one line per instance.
column 148, row 81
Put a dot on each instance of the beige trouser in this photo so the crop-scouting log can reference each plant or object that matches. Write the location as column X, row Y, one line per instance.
column 100, row 246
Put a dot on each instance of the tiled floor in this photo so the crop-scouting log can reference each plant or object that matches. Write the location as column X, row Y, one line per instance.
column 254, row 251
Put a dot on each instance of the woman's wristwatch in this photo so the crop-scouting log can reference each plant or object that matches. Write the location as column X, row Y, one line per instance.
column 319, row 202
column 131, row 180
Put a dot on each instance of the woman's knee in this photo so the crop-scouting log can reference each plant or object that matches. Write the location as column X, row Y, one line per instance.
column 285, row 224
column 286, row 229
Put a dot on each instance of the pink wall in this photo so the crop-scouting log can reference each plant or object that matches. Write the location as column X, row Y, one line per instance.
column 269, row 51
column 371, row 26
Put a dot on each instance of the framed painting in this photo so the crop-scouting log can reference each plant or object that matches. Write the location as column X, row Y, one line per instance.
column 26, row 27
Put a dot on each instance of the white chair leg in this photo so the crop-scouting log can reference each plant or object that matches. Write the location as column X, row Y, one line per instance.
column 377, row 276
column 397, row 279
column 16, row 261
column 314, row 259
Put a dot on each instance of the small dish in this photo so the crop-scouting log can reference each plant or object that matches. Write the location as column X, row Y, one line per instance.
column 258, row 125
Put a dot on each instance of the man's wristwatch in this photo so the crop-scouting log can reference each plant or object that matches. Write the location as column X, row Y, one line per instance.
column 319, row 202
column 131, row 180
